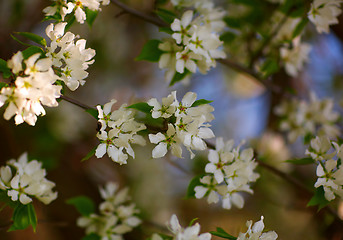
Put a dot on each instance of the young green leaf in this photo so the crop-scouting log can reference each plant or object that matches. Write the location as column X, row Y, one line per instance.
column 270, row 66
column 150, row 51
column 200, row 102
column 21, row 42
column 221, row 233
column 28, row 52
column 299, row 28
column 93, row 112
column 23, row 216
column 178, row 77
column 90, row 16
column 192, row 184
column 33, row 37
column 6, row 71
column 84, row 205
column 166, row 15
column 89, row 155
column 318, row 199
column 193, row 221
column 141, row 106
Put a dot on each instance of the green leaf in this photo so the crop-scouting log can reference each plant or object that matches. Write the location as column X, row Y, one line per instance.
column 166, row 30
column 90, row 16
column 233, row 22
column 270, row 66
column 84, row 205
column 150, row 51
column 193, row 221
column 200, row 102
column 308, row 137
column 178, row 77
column 32, row 216
column 221, row 233
column 192, row 184
column 91, row 236
column 318, row 199
column 299, row 28
column 21, row 42
column 89, row 155
column 141, row 106
column 6, row 71
column 165, row 15
column 301, row 161
column 93, row 112
column 23, row 216
column 227, row 37
column 70, row 21
column 28, row 52
column 33, row 37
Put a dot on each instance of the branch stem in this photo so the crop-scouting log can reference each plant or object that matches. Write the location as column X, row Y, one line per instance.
column 75, row 102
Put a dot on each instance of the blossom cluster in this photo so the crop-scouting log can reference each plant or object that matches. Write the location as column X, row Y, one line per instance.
column 188, row 233
column 195, row 41
column 33, row 86
column 294, row 56
column 229, row 172
column 23, row 180
column 117, row 215
column 189, row 126
column 118, row 131
column 301, row 118
column 77, row 7
column 324, row 13
column 328, row 155
column 72, row 58
column 255, row 232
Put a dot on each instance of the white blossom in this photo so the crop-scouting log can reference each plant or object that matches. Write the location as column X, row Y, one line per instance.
column 295, row 57
column 230, row 171
column 324, row 13
column 117, row 215
column 72, row 57
column 118, row 131
column 24, row 180
column 188, row 233
column 315, row 117
column 330, row 176
column 255, row 232
column 31, row 89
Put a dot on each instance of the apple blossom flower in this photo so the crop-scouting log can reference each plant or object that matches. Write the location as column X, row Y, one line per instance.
column 229, row 172
column 164, row 110
column 188, row 233
column 255, row 232
column 24, row 180
column 118, row 131
column 33, row 87
column 165, row 141
column 324, row 13
column 295, row 57
column 315, row 117
column 117, row 215
column 330, row 176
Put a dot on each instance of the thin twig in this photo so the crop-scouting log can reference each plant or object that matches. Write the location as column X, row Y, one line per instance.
column 139, row 14
column 77, row 103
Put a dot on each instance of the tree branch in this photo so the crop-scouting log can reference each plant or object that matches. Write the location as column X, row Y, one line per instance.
column 77, row 103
